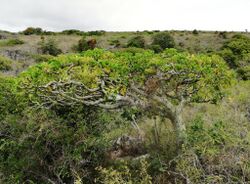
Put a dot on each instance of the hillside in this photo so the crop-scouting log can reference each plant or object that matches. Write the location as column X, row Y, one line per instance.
column 200, row 42
column 125, row 107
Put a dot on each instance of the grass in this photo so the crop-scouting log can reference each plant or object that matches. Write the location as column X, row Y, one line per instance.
column 11, row 42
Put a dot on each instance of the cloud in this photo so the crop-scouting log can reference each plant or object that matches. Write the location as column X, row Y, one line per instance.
column 120, row 15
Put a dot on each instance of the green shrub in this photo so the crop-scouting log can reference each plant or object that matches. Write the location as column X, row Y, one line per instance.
column 214, row 154
column 49, row 47
column 84, row 45
column 96, row 33
column 39, row 58
column 155, row 48
column 223, row 35
column 115, row 43
column 137, row 41
column 11, row 42
column 164, row 40
column 195, row 32
column 32, row 30
column 5, row 64
column 124, row 172
column 73, row 32
column 236, row 52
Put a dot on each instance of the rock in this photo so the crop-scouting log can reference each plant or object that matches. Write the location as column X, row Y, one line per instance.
column 15, row 55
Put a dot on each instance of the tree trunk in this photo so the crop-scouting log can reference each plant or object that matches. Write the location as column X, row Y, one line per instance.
column 179, row 128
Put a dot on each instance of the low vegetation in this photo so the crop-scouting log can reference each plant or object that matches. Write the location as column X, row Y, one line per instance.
column 149, row 113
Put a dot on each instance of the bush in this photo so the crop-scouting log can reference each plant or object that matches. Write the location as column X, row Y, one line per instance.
column 164, row 40
column 11, row 42
column 96, row 33
column 155, row 48
column 73, row 32
column 49, row 47
column 115, row 43
column 236, row 52
column 32, row 30
column 5, row 64
column 138, row 42
column 223, row 35
column 84, row 45
column 195, row 32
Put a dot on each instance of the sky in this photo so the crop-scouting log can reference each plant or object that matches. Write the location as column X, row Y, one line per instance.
column 125, row 15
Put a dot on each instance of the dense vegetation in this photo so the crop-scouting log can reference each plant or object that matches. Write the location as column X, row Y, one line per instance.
column 130, row 115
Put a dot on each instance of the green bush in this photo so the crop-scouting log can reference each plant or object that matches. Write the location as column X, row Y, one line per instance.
column 164, row 40
column 155, row 48
column 11, row 42
column 137, row 41
column 115, row 43
column 49, row 47
column 84, row 45
column 195, row 32
column 96, row 33
column 73, row 32
column 5, row 64
column 236, row 52
column 32, row 30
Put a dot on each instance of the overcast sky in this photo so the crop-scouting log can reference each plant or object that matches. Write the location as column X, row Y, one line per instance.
column 125, row 15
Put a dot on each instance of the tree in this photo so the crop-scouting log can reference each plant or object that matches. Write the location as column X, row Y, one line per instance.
column 157, row 83
column 164, row 40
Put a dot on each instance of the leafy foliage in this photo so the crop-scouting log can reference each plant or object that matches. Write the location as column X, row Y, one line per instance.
column 164, row 40
column 11, row 42
column 237, row 54
column 5, row 64
column 49, row 47
column 32, row 30
column 137, row 42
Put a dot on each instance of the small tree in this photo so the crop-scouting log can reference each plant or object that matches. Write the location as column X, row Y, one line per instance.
column 157, row 83
column 164, row 40
column 49, row 47
column 138, row 42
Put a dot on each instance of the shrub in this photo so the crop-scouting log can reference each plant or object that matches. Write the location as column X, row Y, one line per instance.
column 96, row 33
column 5, row 64
column 115, row 43
column 138, row 42
column 84, row 45
column 155, row 48
column 195, row 32
column 49, row 47
column 223, row 35
column 41, row 58
column 236, row 53
column 126, row 173
column 73, row 32
column 32, row 30
column 11, row 42
column 164, row 40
